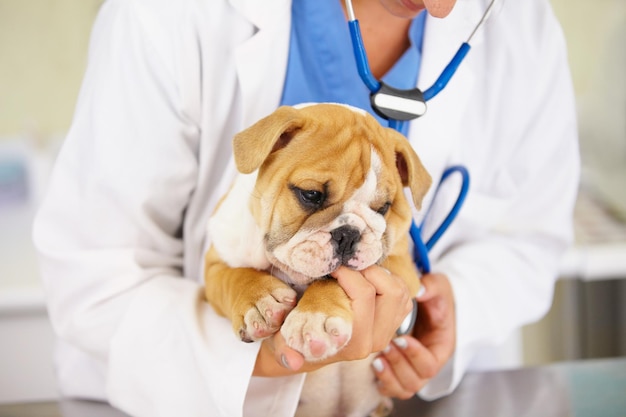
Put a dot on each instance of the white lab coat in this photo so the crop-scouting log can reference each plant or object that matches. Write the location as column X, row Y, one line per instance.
column 121, row 232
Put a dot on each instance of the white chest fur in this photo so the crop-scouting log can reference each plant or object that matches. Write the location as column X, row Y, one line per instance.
column 233, row 230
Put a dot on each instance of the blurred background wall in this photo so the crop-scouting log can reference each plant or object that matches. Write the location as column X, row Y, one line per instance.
column 588, row 317
column 43, row 47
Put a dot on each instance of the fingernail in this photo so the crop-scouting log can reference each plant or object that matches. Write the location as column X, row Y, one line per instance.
column 400, row 342
column 283, row 360
column 387, row 349
column 421, row 291
column 377, row 364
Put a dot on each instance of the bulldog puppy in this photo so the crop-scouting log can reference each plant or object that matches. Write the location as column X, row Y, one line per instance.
column 320, row 186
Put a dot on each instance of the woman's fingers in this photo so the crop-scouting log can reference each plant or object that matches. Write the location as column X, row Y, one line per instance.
column 381, row 301
column 406, row 367
column 389, row 384
column 436, row 322
column 353, row 284
column 363, row 302
column 396, row 377
column 411, row 361
column 284, row 355
column 393, row 302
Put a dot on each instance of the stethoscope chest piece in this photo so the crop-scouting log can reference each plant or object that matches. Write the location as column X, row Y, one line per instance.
column 406, row 327
column 395, row 104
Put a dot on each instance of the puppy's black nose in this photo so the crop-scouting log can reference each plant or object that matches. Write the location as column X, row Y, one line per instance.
column 345, row 239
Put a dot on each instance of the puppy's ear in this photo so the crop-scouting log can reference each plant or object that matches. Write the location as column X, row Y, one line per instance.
column 412, row 172
column 253, row 145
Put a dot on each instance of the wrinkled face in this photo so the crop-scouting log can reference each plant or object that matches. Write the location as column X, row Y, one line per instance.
column 323, row 224
column 332, row 197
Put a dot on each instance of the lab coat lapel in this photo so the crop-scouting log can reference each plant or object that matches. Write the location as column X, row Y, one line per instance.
column 261, row 60
column 260, row 64
column 435, row 135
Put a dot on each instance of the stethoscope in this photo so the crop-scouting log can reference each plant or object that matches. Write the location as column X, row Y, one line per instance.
column 399, row 106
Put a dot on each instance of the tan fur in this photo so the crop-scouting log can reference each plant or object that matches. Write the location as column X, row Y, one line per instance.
column 321, row 147
column 237, row 290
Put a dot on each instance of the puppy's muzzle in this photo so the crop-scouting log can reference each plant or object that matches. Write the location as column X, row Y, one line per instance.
column 345, row 240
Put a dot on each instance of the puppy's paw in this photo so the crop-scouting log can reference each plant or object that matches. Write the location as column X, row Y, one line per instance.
column 267, row 314
column 316, row 335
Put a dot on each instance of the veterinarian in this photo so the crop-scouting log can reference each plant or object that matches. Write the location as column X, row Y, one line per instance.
column 121, row 233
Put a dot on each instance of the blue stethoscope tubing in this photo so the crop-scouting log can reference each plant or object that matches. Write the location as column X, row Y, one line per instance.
column 421, row 248
column 407, row 105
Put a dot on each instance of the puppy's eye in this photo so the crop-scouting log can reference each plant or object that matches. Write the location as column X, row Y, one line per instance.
column 312, row 199
column 384, row 209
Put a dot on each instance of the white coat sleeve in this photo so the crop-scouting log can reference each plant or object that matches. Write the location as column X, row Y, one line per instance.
column 109, row 232
column 503, row 252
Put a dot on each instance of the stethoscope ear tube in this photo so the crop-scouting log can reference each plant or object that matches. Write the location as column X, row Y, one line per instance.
column 360, row 55
column 447, row 72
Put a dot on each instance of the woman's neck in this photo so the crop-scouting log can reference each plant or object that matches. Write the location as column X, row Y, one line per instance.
column 385, row 36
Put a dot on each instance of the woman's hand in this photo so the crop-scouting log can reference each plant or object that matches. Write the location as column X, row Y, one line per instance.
column 380, row 302
column 407, row 364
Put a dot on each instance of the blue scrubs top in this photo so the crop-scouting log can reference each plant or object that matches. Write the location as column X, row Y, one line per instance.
column 322, row 67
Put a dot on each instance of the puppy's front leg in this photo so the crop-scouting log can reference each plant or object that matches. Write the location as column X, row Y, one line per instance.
column 255, row 302
column 321, row 324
